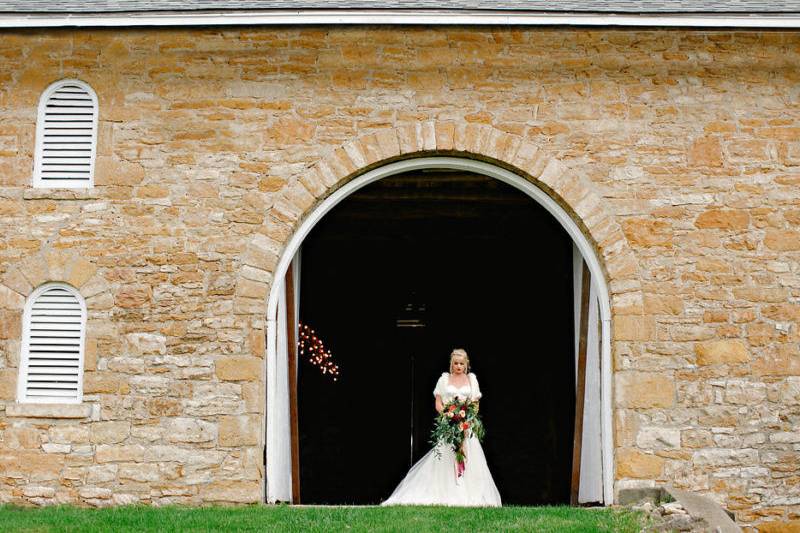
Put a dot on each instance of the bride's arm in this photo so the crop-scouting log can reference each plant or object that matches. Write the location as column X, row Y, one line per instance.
column 439, row 405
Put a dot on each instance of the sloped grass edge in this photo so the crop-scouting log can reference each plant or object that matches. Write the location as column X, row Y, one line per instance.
column 319, row 519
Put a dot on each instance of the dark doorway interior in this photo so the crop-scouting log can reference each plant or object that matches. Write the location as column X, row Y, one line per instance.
column 493, row 270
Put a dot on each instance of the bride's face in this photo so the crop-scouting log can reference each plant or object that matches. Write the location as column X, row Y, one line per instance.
column 458, row 365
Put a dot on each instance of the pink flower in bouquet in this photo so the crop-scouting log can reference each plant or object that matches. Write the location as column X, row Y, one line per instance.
column 464, row 426
column 462, row 413
column 451, row 408
column 449, row 414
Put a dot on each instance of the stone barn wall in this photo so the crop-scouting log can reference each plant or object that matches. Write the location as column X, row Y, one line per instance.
column 210, row 143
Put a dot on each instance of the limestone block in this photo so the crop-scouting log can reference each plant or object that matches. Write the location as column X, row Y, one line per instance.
column 706, row 152
column 239, row 430
column 761, row 294
column 727, row 219
column 57, row 261
column 790, row 391
column 79, row 271
column 110, row 171
column 246, row 288
column 164, row 406
column 690, row 332
column 299, row 196
column 635, row 464
column 38, row 492
column 445, row 133
column 125, row 499
column 152, row 191
column 17, row 438
column 100, row 382
column 646, row 233
column 644, row 389
column 145, row 343
column 257, row 340
column 663, row 304
column 10, row 324
column 744, row 392
column 8, row 383
column 69, row 434
column 231, row 491
column 41, row 410
column 409, row 139
column 258, row 257
column 253, row 396
column 782, row 240
column 101, row 473
column 784, row 361
column 52, row 447
column 531, row 159
column 110, row 432
column 32, row 465
column 11, row 300
column 112, row 453
column 725, row 457
column 658, row 438
column 95, row 493
column 36, row 271
column 779, row 526
column 94, row 288
column 428, row 135
column 633, row 328
column 139, row 472
column 239, row 368
column 90, row 354
column 190, row 430
column 696, row 438
column 133, row 296
column 730, row 351
column 785, row 437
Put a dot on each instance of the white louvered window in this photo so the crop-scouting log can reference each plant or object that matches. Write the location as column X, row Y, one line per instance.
column 51, row 362
column 66, row 136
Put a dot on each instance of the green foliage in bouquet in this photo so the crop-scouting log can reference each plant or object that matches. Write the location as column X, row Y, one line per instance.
column 457, row 421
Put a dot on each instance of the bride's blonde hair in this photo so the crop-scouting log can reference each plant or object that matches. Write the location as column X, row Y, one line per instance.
column 459, row 352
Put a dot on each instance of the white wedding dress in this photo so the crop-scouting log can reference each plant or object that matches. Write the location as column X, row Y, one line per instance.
column 433, row 480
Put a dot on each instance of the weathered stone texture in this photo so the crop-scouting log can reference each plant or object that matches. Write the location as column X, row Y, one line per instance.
column 679, row 150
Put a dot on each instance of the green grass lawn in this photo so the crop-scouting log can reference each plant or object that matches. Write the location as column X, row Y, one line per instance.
column 285, row 518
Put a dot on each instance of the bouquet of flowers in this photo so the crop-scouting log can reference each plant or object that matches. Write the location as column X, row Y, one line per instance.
column 457, row 421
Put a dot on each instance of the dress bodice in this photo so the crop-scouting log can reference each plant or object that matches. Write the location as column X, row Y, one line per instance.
column 448, row 392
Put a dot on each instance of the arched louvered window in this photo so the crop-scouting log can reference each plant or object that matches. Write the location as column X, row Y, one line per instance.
column 66, row 136
column 54, row 328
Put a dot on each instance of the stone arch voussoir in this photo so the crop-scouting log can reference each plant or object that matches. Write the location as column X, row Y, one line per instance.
column 54, row 265
column 568, row 186
column 46, row 266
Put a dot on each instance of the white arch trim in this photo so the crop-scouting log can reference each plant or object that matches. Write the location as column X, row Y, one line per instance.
column 276, row 476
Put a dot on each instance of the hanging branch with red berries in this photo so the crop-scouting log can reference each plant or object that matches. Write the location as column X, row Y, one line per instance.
column 312, row 347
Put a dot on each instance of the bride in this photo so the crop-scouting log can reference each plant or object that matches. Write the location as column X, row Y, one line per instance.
column 434, row 480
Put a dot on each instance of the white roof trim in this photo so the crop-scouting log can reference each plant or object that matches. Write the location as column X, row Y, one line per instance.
column 398, row 17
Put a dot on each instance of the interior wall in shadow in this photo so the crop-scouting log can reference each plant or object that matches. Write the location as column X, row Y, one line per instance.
column 494, row 272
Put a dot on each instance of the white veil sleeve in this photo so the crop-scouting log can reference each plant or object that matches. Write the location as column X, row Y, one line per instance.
column 476, row 390
column 440, row 386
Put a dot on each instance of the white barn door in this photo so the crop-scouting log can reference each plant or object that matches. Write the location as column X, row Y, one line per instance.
column 279, row 445
column 591, row 474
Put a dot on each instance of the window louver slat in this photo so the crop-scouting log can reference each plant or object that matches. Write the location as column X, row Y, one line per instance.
column 66, row 136
column 54, row 344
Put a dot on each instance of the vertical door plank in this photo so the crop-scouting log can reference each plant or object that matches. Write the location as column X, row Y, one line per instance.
column 580, row 387
column 291, row 335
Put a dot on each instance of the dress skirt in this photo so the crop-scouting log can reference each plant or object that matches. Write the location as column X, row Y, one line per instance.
column 433, row 480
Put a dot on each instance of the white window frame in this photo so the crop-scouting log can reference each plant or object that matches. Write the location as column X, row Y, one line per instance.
column 22, row 382
column 38, row 153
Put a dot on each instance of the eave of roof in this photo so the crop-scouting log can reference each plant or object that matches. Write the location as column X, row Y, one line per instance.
column 428, row 17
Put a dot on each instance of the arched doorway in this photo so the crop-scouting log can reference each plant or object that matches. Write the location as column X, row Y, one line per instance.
column 597, row 437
